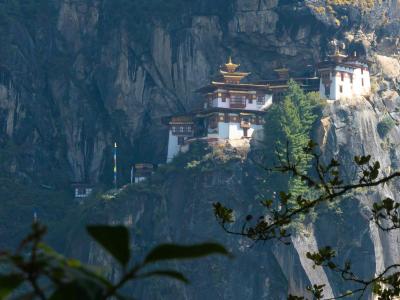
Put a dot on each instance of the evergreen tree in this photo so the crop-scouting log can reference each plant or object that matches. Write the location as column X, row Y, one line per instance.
column 287, row 132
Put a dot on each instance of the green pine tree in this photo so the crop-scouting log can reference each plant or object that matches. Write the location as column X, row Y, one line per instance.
column 288, row 130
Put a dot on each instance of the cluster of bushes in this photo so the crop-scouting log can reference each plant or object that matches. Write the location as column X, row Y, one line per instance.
column 385, row 126
column 363, row 4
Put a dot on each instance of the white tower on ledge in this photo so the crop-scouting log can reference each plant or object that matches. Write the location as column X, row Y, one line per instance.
column 343, row 76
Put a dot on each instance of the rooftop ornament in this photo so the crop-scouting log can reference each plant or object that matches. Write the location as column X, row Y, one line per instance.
column 230, row 66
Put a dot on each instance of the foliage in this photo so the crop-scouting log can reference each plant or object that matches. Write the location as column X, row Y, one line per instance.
column 42, row 273
column 363, row 4
column 273, row 221
column 202, row 157
column 385, row 126
column 288, row 129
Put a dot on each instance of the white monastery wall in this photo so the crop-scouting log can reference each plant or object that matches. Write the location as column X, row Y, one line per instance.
column 173, row 147
column 235, row 132
column 223, row 130
column 339, row 88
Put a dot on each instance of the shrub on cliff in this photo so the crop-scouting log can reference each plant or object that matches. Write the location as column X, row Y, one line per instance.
column 385, row 126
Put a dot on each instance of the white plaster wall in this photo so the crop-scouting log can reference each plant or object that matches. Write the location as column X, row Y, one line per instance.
column 139, row 179
column 357, row 87
column 349, row 89
column 253, row 105
column 222, row 103
column 268, row 102
column 235, row 131
column 173, row 147
column 367, row 83
column 322, row 89
column 250, row 131
column 223, row 130
column 334, row 88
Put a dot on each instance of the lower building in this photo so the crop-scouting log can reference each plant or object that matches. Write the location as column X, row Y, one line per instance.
column 142, row 172
column 214, row 126
column 82, row 190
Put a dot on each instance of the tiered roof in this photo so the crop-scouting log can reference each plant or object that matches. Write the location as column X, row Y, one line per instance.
column 340, row 59
column 231, row 80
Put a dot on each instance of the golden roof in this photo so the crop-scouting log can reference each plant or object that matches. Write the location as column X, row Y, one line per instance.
column 228, row 71
column 230, row 66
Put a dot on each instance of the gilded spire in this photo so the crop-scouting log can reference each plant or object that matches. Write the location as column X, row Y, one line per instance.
column 230, row 66
column 229, row 73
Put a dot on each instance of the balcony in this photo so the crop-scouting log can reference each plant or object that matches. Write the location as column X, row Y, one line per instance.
column 237, row 102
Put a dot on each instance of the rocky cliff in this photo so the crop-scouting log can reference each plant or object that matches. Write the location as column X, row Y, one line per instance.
column 176, row 206
column 77, row 75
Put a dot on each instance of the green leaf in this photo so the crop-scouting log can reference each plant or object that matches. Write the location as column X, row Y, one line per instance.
column 115, row 239
column 168, row 273
column 174, row 251
column 224, row 214
column 9, row 283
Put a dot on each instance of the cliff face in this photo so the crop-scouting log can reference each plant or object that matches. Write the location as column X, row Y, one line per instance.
column 176, row 206
column 76, row 76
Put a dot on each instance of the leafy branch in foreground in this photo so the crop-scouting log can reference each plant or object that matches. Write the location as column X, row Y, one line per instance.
column 326, row 184
column 386, row 284
column 35, row 271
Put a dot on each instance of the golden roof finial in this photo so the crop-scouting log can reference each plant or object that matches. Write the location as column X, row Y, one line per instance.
column 230, row 66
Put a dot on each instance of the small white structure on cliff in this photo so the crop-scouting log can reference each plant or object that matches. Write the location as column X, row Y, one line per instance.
column 231, row 112
column 344, row 77
column 82, row 190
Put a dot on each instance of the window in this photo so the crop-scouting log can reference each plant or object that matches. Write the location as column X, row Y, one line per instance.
column 327, row 90
column 362, row 81
column 351, row 78
column 237, row 101
column 260, row 100
column 213, row 122
column 223, row 99
column 226, row 117
column 341, row 89
column 182, row 130
column 342, row 76
column 362, row 70
column 250, row 101
column 181, row 140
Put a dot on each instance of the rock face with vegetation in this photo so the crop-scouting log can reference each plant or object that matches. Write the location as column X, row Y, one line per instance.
column 75, row 76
